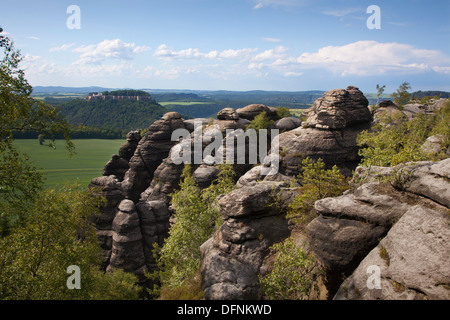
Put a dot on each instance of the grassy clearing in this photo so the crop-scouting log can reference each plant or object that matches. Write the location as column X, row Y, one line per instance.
column 59, row 168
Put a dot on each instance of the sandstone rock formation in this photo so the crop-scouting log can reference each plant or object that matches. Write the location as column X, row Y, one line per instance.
column 288, row 123
column 232, row 258
column 410, row 222
column 329, row 133
column 150, row 152
column 251, row 111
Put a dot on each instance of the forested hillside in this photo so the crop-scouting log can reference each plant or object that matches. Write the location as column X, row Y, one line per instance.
column 123, row 115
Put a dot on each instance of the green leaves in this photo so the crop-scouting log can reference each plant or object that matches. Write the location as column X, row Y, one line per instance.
column 395, row 139
column 292, row 274
column 317, row 183
column 196, row 218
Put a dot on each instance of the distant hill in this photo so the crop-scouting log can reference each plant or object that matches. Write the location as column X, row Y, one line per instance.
column 123, row 115
column 423, row 94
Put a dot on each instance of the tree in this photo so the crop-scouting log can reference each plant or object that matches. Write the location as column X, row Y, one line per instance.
column 380, row 90
column 402, row 96
column 196, row 218
column 34, row 258
column 43, row 232
column 19, row 180
column 317, row 183
column 261, row 121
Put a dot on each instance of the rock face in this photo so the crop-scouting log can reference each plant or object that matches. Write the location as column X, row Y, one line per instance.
column 232, row 258
column 413, row 223
column 286, row 124
column 412, row 261
column 150, row 152
column 330, row 132
column 402, row 231
column 338, row 109
column 251, row 111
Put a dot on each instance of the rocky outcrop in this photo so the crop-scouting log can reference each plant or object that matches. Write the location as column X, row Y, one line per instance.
column 329, row 132
column 288, row 123
column 251, row 111
column 349, row 228
column 410, row 263
column 339, row 109
column 232, row 258
column 150, row 152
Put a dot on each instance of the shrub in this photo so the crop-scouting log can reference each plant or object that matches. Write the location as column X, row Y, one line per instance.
column 292, row 274
column 396, row 140
column 317, row 183
column 196, row 218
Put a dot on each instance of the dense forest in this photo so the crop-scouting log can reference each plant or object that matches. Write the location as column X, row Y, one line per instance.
column 112, row 115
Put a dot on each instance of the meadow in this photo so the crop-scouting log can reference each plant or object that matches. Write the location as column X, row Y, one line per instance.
column 58, row 167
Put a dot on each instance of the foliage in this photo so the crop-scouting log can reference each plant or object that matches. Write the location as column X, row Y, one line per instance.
column 57, row 234
column 43, row 232
column 18, row 110
column 123, row 115
column 402, row 96
column 317, row 183
column 283, row 112
column 196, row 218
column 261, row 121
column 19, row 180
column 125, row 93
column 395, row 139
column 380, row 90
column 292, row 274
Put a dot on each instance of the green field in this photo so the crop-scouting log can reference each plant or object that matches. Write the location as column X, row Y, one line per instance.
column 59, row 168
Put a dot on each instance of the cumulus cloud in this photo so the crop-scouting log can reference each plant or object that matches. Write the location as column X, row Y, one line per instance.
column 276, row 53
column 167, row 53
column 364, row 58
column 108, row 49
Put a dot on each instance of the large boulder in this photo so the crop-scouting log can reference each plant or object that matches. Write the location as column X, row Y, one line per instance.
column 410, row 263
column 329, row 132
column 232, row 258
column 251, row 111
column 288, row 123
column 338, row 109
column 349, row 228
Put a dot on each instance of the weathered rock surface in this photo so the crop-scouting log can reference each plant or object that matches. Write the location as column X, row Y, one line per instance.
column 338, row 109
column 349, row 228
column 329, row 132
column 288, row 123
column 150, row 152
column 332, row 146
column 251, row 111
column 412, row 261
column 232, row 258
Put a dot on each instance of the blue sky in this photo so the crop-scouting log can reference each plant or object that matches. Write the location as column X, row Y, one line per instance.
column 286, row 45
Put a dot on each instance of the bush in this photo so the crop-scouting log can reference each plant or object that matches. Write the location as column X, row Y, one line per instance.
column 317, row 183
column 396, row 140
column 197, row 216
column 292, row 274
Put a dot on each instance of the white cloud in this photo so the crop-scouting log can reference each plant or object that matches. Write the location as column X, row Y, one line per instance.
column 364, row 58
column 276, row 53
column 343, row 12
column 167, row 53
column 271, row 39
column 62, row 47
column 33, row 38
column 108, row 49
column 258, row 6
